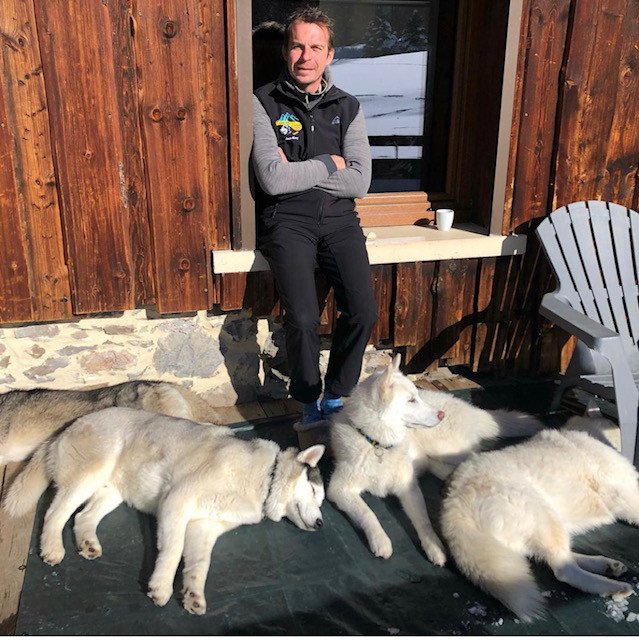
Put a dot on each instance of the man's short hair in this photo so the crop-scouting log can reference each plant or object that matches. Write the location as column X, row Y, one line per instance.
column 312, row 15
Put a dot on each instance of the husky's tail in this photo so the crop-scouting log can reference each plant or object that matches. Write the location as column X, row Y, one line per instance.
column 492, row 566
column 29, row 485
column 516, row 424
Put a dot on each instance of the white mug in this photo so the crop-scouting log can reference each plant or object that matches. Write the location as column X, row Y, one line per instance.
column 444, row 219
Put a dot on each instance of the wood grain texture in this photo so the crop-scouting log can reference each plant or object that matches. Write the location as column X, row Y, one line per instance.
column 545, row 43
column 454, row 310
column 35, row 285
column 382, row 277
column 598, row 143
column 133, row 178
column 15, row 293
column 211, row 22
column 167, row 55
column 234, row 167
column 77, row 55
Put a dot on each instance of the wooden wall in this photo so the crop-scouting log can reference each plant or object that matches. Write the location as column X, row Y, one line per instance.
column 115, row 152
column 118, row 145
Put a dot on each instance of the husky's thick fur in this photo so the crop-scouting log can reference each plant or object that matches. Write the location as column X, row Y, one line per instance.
column 388, row 432
column 28, row 418
column 199, row 480
column 526, row 501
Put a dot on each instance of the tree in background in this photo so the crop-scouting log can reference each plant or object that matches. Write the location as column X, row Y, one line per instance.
column 379, row 39
column 414, row 37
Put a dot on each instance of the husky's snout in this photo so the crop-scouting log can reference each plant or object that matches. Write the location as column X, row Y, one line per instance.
column 319, row 523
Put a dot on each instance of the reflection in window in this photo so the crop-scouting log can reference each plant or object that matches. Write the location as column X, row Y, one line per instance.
column 384, row 55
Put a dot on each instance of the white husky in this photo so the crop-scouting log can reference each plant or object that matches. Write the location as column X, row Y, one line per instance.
column 527, row 500
column 388, row 432
column 199, row 480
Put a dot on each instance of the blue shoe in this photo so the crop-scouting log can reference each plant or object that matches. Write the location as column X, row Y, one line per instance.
column 331, row 406
column 311, row 412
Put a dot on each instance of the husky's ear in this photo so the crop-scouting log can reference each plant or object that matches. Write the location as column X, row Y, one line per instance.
column 397, row 360
column 312, row 455
column 385, row 381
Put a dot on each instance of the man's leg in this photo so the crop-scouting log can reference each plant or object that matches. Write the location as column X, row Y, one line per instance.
column 291, row 256
column 342, row 256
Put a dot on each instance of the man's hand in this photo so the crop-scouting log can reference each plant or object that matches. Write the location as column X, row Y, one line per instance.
column 282, row 154
column 340, row 163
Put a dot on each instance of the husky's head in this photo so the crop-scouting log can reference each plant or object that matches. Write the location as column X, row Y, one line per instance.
column 392, row 402
column 298, row 489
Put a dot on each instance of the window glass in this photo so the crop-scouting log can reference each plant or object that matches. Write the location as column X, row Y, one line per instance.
column 385, row 56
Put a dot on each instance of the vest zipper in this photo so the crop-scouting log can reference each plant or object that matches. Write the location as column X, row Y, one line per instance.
column 311, row 146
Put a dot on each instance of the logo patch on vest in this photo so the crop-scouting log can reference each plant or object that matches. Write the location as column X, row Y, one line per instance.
column 288, row 125
column 335, row 120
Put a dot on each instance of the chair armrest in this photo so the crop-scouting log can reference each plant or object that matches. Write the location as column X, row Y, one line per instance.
column 594, row 334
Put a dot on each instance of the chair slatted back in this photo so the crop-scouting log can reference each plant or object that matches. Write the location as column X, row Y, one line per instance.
column 593, row 249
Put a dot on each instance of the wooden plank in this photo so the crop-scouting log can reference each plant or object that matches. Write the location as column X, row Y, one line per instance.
column 384, row 209
column 261, row 295
column 77, row 55
column 240, row 413
column 213, row 79
column 419, row 356
column 622, row 149
column 382, row 276
column 408, row 295
column 588, row 96
column 515, row 128
column 486, row 294
column 133, row 176
column 33, row 211
column 232, row 291
column 15, row 537
column 455, row 299
column 15, row 294
column 234, row 117
column 546, row 41
column 278, row 408
column 167, row 57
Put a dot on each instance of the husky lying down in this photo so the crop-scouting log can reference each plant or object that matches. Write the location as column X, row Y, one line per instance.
column 388, row 432
column 199, row 480
column 28, row 418
column 527, row 500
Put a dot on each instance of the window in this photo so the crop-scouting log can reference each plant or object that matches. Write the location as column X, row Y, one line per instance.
column 428, row 74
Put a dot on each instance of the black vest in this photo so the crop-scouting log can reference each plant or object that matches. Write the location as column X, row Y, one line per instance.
column 304, row 134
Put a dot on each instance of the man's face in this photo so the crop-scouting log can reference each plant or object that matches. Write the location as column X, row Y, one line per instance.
column 307, row 54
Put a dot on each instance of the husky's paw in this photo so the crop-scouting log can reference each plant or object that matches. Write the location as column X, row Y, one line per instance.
column 616, row 568
column 52, row 555
column 625, row 590
column 381, row 545
column 160, row 594
column 90, row 549
column 435, row 553
column 194, row 602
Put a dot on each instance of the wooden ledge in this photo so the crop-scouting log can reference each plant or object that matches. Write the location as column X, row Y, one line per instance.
column 392, row 245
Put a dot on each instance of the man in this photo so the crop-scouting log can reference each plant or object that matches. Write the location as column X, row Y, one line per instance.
column 311, row 159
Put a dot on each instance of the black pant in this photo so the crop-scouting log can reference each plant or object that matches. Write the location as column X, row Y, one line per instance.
column 292, row 248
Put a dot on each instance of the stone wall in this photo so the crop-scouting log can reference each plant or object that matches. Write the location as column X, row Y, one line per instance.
column 229, row 359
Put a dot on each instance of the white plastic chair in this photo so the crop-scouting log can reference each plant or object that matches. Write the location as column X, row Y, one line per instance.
column 593, row 248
